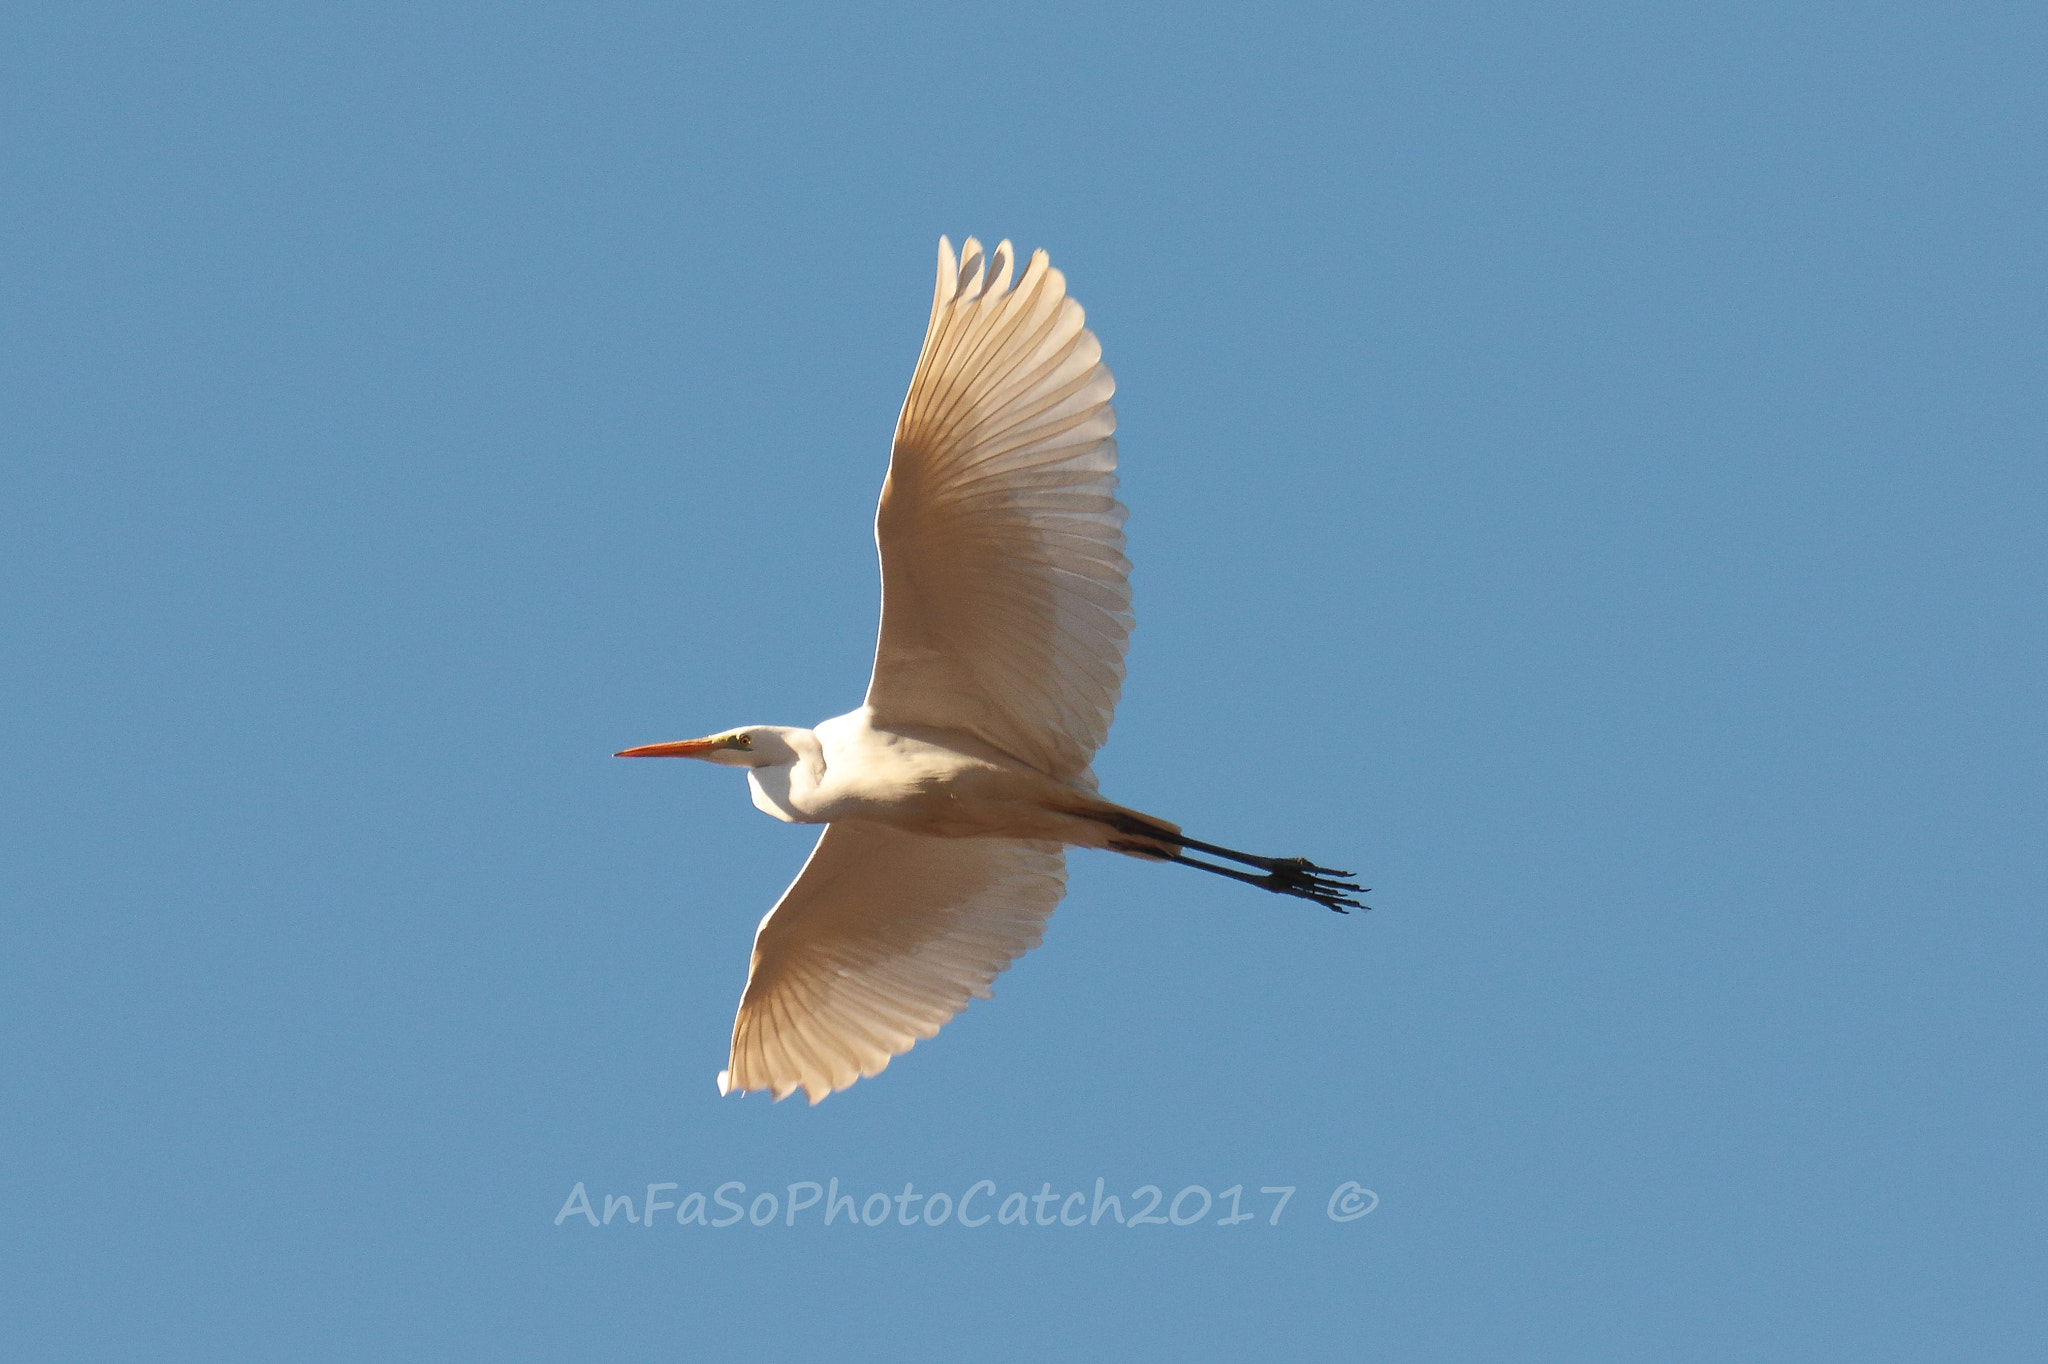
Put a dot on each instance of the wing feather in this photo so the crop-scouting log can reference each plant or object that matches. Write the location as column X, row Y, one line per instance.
column 882, row 938
column 1006, row 603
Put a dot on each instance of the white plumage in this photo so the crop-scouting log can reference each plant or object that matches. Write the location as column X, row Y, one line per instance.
column 884, row 936
column 950, row 795
column 1006, row 605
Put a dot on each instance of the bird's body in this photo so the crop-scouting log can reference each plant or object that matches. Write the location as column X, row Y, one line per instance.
column 950, row 795
column 920, row 780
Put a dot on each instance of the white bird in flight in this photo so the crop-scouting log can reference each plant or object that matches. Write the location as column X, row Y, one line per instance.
column 950, row 796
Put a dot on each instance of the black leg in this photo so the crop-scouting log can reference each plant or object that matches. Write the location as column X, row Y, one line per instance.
column 1283, row 875
column 1290, row 864
column 1337, row 895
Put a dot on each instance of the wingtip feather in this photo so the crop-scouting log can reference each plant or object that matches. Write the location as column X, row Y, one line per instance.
column 971, row 262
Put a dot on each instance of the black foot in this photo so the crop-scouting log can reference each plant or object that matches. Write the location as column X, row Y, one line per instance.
column 1327, row 886
column 1296, row 876
column 1300, row 877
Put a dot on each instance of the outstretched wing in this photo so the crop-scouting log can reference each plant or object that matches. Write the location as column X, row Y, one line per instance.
column 1006, row 605
column 881, row 939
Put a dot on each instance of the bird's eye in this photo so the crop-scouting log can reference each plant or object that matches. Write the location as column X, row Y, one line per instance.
column 741, row 741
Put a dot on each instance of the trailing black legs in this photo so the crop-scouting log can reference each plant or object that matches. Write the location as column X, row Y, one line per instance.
column 1296, row 876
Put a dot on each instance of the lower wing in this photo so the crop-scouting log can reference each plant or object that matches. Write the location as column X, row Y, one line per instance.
column 881, row 939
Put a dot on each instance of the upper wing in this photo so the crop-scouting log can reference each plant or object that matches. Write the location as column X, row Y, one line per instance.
column 882, row 937
column 1006, row 606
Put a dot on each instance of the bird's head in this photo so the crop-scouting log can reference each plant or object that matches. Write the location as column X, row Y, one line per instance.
column 753, row 746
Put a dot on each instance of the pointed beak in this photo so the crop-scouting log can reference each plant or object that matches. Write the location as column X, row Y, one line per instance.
column 681, row 748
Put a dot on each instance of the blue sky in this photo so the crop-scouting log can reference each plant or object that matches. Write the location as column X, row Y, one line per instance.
column 1586, row 471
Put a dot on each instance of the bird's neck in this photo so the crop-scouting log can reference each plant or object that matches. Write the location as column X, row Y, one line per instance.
column 783, row 789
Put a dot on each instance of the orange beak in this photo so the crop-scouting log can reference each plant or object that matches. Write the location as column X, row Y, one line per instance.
column 681, row 748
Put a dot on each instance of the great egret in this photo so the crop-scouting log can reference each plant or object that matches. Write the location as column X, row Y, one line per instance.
column 949, row 797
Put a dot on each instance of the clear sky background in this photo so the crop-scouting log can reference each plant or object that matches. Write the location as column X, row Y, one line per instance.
column 1587, row 473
